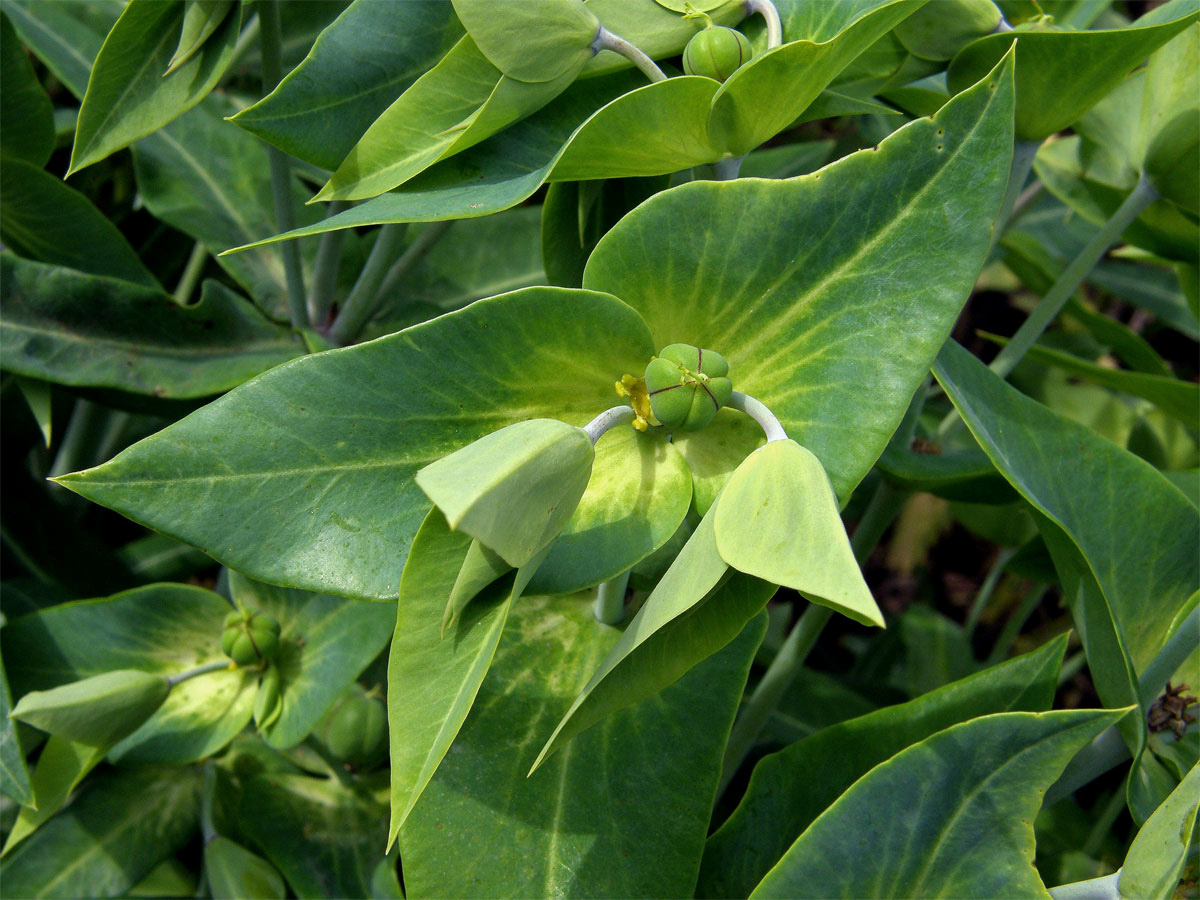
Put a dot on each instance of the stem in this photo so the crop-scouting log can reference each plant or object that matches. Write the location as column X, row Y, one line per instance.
column 270, row 42
column 985, row 591
column 757, row 410
column 191, row 274
column 207, row 828
column 1052, row 303
column 606, row 40
column 325, row 269
column 1022, row 162
column 361, row 303
column 82, row 434
column 1092, row 889
column 199, row 670
column 1106, row 751
column 422, row 244
column 1071, row 667
column 610, row 418
column 727, row 169
column 1168, row 660
column 246, row 38
column 1014, row 625
column 885, row 503
column 767, row 10
column 609, row 608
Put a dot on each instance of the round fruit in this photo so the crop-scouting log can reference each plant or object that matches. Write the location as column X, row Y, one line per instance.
column 355, row 730
column 687, row 386
column 250, row 637
column 716, row 52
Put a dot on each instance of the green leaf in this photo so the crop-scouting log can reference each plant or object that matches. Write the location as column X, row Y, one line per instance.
column 1171, row 120
column 951, row 474
column 513, row 489
column 950, row 816
column 64, row 326
column 127, row 96
column 939, row 30
column 45, row 220
column 1156, row 858
column 60, row 767
column 1061, row 74
column 656, row 30
column 120, row 828
column 65, row 36
column 324, row 643
column 15, row 783
column 459, row 102
column 200, row 19
column 39, row 398
column 233, row 871
column 282, row 479
column 614, row 815
column 24, row 107
column 688, row 617
column 433, row 678
column 531, row 42
column 212, row 181
column 335, row 851
column 362, row 62
column 778, row 519
column 769, row 92
column 807, row 300
column 96, row 711
column 786, row 793
column 160, row 629
column 638, row 494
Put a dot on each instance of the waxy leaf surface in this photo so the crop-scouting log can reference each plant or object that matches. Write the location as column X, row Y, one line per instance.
column 303, row 477
column 531, row 42
column 819, row 287
column 580, row 826
column 24, row 107
column 1155, row 862
column 950, row 816
column 15, row 784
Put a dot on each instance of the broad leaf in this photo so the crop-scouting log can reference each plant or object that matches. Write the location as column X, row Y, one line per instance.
column 778, row 519
column 950, row 816
column 965, row 474
column 531, row 42
column 233, row 871
column 1156, row 858
column 127, row 96
column 200, row 19
column 433, row 677
column 290, row 491
column 61, row 766
column 337, row 848
column 98, row 710
column 63, row 326
column 121, row 827
column 818, row 285
column 363, row 61
column 581, row 826
column 1062, row 74
column 65, row 36
column 15, row 783
column 789, row 789
column 43, row 219
column 24, row 107
column 324, row 643
column 161, row 629
column 1171, row 120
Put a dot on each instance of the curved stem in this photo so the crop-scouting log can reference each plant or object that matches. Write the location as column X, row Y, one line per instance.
column 986, row 590
column 606, row 40
column 609, row 608
column 767, row 10
column 199, row 670
column 758, row 411
column 610, row 418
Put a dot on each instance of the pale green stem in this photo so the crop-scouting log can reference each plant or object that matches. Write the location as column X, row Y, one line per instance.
column 246, row 39
column 1054, row 300
column 883, row 507
column 610, row 418
column 606, row 40
column 421, row 245
column 325, row 269
column 360, row 305
column 1022, row 163
column 757, row 410
column 199, row 670
column 1169, row 658
column 191, row 274
column 609, row 607
column 767, row 10
column 270, row 42
column 1013, row 626
column 1071, row 667
column 87, row 423
column 727, row 169
column 1106, row 751
column 1093, row 889
column 985, row 592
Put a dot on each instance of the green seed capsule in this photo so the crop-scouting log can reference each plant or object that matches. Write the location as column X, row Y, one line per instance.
column 716, row 52
column 687, row 386
column 250, row 637
column 355, row 730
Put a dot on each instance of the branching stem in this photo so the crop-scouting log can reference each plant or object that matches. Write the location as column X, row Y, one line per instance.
column 361, row 303
column 606, row 40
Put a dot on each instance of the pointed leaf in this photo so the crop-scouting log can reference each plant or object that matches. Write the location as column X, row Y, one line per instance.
column 324, row 643
column 64, row 36
column 200, row 19
column 582, row 826
column 60, row 767
column 96, row 711
column 24, row 107
column 43, row 219
column 480, row 567
column 1171, row 120
column 64, row 326
column 777, row 519
column 950, row 816
column 127, row 96
column 363, row 61
column 789, row 789
column 531, row 42
column 818, row 285
column 233, row 871
column 15, row 783
column 303, row 453
column 1156, row 858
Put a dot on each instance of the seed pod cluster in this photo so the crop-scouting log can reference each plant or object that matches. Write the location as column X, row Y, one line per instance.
column 687, row 386
column 250, row 637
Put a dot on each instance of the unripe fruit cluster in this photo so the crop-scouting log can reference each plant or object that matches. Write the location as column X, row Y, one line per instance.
column 687, row 386
column 250, row 637
column 716, row 52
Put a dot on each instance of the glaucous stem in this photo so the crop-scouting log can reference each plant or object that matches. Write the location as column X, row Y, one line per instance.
column 767, row 10
column 361, row 303
column 609, row 607
column 191, row 274
column 610, row 418
column 606, row 40
column 757, row 410
column 199, row 670
column 325, row 269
